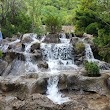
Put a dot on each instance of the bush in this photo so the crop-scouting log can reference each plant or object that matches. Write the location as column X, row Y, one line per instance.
column 105, row 53
column 92, row 69
column 53, row 24
column 92, row 29
column 80, row 47
column 20, row 24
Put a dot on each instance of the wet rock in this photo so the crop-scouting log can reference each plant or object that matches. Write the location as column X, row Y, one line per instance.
column 3, row 66
column 42, row 64
column 15, row 47
column 35, row 46
column 38, row 53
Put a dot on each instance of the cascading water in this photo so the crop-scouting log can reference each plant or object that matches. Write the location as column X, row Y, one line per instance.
column 30, row 66
column 89, row 53
column 53, row 92
column 59, row 58
column 90, row 57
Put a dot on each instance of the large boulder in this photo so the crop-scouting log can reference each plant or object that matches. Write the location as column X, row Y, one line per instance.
column 52, row 38
column 90, row 84
column 40, row 86
column 27, row 38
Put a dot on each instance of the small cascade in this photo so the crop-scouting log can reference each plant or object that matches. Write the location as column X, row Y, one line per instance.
column 89, row 53
column 30, row 66
column 63, row 39
column 43, row 38
column 53, row 93
column 90, row 57
column 58, row 56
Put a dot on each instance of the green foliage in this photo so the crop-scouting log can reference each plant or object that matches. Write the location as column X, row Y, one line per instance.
column 92, row 28
column 104, row 52
column 53, row 21
column 92, row 69
column 1, row 54
column 20, row 24
column 85, row 21
column 92, row 17
column 80, row 47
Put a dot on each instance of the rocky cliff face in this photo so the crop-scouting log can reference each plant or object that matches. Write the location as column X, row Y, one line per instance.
column 28, row 92
column 22, row 90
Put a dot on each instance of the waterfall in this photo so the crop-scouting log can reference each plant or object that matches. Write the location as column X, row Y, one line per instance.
column 60, row 57
column 89, row 53
column 53, row 92
column 30, row 66
column 90, row 57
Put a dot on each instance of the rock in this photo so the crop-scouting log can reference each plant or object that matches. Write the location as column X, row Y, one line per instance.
column 52, row 38
column 3, row 66
column 15, row 47
column 62, row 84
column 40, row 86
column 88, row 39
column 35, row 46
column 38, row 53
column 104, row 66
column 10, row 56
column 42, row 64
column 27, row 38
column 75, row 40
column 95, row 84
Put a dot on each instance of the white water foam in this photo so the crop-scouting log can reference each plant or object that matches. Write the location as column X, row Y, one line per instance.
column 53, row 93
column 89, row 53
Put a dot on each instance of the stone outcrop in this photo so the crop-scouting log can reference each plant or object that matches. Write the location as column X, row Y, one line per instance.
column 81, row 82
column 52, row 38
column 27, row 38
column 3, row 66
column 22, row 93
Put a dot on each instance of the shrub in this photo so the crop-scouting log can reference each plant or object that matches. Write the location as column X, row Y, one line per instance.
column 92, row 28
column 92, row 69
column 80, row 47
column 105, row 54
column 53, row 23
